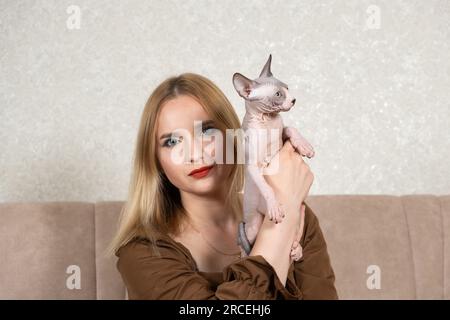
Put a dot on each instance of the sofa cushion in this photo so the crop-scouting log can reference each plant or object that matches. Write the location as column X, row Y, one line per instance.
column 109, row 281
column 46, row 250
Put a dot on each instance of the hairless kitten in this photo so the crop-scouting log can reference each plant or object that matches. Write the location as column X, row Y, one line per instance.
column 265, row 97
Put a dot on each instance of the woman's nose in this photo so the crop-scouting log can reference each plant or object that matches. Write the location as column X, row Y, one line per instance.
column 196, row 155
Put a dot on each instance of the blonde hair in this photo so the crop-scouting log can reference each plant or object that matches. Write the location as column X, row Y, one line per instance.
column 153, row 203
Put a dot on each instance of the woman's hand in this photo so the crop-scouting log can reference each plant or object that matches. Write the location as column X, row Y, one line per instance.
column 293, row 178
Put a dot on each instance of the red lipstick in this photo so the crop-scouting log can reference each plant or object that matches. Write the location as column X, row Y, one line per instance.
column 201, row 172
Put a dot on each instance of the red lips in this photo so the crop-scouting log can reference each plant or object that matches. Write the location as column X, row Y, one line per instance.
column 200, row 169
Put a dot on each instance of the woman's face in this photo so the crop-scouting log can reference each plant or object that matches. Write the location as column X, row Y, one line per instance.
column 184, row 144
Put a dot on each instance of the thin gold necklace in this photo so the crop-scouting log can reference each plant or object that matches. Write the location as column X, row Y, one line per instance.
column 214, row 248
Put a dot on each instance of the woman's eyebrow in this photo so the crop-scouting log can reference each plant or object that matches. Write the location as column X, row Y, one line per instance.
column 203, row 123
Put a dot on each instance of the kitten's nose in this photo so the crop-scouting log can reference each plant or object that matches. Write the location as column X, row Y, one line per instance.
column 293, row 102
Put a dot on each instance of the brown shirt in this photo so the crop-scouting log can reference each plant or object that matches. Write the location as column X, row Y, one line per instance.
column 174, row 274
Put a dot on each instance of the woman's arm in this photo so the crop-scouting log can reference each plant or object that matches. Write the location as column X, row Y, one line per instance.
column 274, row 241
column 290, row 183
column 313, row 274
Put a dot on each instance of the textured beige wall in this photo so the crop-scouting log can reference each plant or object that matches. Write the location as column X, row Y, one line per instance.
column 372, row 87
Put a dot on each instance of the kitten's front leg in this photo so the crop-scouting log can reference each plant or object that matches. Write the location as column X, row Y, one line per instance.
column 301, row 145
column 274, row 208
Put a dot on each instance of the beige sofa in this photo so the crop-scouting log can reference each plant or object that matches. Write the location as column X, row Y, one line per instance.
column 381, row 247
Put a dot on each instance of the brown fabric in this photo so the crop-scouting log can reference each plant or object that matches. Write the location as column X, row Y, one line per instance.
column 174, row 274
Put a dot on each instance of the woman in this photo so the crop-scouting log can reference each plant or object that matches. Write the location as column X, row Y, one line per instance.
column 177, row 236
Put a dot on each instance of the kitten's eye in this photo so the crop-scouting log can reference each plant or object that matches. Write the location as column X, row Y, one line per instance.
column 278, row 93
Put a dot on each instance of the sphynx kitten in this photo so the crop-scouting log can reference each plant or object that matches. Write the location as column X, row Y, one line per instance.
column 265, row 97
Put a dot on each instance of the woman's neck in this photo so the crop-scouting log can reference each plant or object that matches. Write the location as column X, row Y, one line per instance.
column 207, row 211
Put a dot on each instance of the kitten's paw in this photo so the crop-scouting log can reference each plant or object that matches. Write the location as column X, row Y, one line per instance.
column 275, row 210
column 303, row 147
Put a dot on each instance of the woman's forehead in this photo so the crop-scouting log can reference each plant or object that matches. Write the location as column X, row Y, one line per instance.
column 180, row 112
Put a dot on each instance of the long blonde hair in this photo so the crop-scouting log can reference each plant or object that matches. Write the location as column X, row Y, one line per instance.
column 153, row 203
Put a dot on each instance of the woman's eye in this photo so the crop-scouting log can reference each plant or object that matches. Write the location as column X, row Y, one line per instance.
column 168, row 143
column 278, row 94
column 208, row 128
column 173, row 141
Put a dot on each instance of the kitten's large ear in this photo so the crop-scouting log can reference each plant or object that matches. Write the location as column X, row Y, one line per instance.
column 244, row 86
column 266, row 70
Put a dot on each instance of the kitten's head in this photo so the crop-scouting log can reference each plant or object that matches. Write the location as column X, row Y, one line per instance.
column 271, row 94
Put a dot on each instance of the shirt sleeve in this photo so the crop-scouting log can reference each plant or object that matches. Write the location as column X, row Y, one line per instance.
column 172, row 276
column 313, row 273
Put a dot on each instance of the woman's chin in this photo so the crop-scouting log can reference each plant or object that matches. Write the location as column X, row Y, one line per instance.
column 204, row 186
